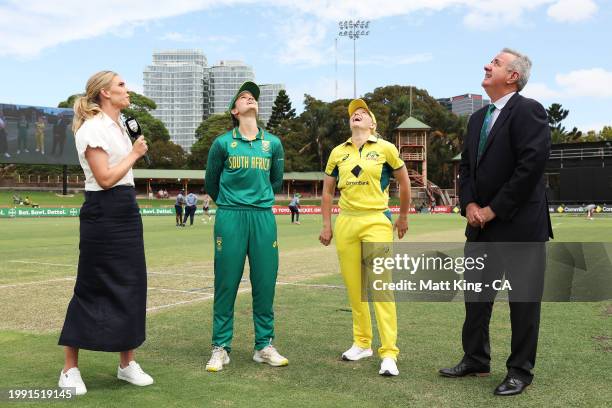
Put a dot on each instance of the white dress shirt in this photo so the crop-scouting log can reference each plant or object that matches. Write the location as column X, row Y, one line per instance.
column 499, row 105
column 101, row 131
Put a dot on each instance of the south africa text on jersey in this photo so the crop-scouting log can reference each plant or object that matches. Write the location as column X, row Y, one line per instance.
column 249, row 162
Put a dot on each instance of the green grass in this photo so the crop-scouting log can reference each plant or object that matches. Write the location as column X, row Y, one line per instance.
column 313, row 326
column 56, row 199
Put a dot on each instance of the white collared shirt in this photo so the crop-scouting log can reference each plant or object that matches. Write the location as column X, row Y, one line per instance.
column 499, row 105
column 101, row 131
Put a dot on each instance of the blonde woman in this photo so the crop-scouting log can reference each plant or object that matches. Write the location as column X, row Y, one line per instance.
column 362, row 167
column 108, row 309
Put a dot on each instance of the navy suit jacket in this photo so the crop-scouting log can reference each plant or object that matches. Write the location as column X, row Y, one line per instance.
column 509, row 177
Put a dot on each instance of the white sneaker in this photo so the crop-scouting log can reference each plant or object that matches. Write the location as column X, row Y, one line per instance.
column 356, row 353
column 269, row 355
column 134, row 374
column 218, row 359
column 388, row 367
column 26, row 150
column 8, row 156
column 71, row 379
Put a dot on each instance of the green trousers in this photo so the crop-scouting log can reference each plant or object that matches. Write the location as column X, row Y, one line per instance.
column 240, row 233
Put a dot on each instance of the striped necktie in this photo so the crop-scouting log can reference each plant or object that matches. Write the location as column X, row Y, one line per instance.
column 484, row 131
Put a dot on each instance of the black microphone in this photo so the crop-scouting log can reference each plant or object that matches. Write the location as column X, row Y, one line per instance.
column 135, row 131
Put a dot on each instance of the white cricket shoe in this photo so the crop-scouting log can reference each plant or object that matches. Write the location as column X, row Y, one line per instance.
column 218, row 359
column 356, row 353
column 71, row 379
column 388, row 367
column 134, row 374
column 269, row 355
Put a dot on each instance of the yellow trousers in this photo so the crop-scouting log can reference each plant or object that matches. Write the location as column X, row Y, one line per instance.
column 350, row 231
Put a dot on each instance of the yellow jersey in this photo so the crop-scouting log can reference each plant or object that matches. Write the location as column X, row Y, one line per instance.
column 363, row 174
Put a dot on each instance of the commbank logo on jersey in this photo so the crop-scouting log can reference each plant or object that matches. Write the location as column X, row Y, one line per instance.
column 372, row 156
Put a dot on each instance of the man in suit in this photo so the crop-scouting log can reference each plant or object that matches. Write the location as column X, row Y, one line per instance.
column 502, row 195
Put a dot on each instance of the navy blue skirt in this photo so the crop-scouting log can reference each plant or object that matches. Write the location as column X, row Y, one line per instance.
column 108, row 309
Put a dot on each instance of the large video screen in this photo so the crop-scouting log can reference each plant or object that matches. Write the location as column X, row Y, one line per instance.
column 36, row 135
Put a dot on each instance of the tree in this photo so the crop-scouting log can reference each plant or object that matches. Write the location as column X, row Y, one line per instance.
column 205, row 134
column 606, row 133
column 316, row 120
column 166, row 155
column 280, row 111
column 556, row 115
column 68, row 103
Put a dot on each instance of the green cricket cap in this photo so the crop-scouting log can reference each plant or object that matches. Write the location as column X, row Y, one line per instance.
column 248, row 86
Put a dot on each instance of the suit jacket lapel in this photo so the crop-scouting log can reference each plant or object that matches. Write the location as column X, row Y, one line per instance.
column 475, row 138
column 503, row 115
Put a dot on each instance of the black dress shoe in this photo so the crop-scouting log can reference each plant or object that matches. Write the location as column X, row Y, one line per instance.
column 462, row 369
column 510, row 386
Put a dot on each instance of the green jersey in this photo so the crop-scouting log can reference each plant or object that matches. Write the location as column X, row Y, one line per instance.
column 245, row 173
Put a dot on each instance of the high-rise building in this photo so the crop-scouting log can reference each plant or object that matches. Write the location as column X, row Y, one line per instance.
column 465, row 105
column 177, row 81
column 187, row 91
column 225, row 79
column 268, row 95
column 446, row 102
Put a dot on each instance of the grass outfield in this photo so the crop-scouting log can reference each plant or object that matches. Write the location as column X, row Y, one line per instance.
column 313, row 325
column 55, row 199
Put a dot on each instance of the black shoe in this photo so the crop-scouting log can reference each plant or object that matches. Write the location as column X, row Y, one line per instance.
column 462, row 369
column 510, row 386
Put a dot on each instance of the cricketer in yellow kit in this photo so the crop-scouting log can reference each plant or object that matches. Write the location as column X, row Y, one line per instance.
column 361, row 168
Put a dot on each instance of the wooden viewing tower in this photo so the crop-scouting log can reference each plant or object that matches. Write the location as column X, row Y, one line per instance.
column 411, row 141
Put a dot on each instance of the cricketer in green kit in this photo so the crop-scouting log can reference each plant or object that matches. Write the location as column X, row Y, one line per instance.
column 244, row 169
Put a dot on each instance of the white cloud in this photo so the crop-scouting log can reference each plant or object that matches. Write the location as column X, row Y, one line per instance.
column 28, row 27
column 493, row 14
column 540, row 91
column 302, row 43
column 572, row 10
column 180, row 37
column 595, row 82
column 590, row 83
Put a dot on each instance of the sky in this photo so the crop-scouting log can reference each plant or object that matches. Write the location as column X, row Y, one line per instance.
column 48, row 49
